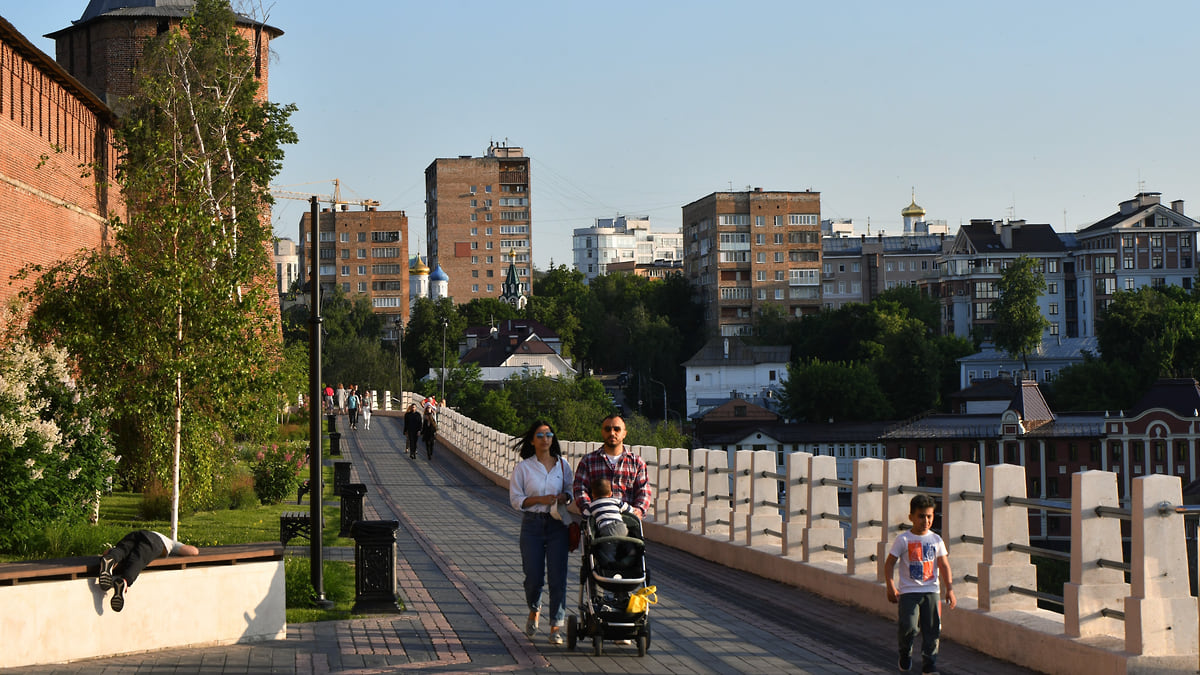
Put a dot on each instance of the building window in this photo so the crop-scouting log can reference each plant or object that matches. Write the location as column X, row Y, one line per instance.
column 1052, row 288
column 778, row 293
column 474, row 288
column 760, row 275
column 1156, row 261
column 760, row 258
column 779, row 238
column 346, row 272
column 1053, row 308
column 759, row 221
column 779, row 256
column 1054, row 329
column 345, row 253
column 1129, row 284
column 362, row 287
column 779, row 276
column 762, row 294
column 778, row 221
column 1127, row 262
column 362, row 270
column 346, row 287
column 760, row 239
column 344, row 237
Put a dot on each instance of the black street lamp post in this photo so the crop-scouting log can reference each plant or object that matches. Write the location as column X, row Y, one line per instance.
column 445, row 324
column 399, row 323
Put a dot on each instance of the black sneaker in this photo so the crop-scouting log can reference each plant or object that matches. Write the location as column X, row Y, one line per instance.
column 118, row 599
column 905, row 663
column 929, row 669
column 106, row 569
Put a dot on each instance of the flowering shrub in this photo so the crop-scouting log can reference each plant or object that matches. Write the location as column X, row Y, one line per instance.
column 55, row 452
column 276, row 472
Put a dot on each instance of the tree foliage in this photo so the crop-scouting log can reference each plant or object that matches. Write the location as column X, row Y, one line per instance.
column 818, row 391
column 1019, row 320
column 1156, row 331
column 176, row 323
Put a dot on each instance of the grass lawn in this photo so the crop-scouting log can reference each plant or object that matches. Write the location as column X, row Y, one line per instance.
column 120, row 514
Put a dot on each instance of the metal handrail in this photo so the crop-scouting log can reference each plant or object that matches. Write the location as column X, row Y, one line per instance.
column 1057, row 506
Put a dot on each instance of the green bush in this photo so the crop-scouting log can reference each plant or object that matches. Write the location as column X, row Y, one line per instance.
column 276, row 472
column 156, row 503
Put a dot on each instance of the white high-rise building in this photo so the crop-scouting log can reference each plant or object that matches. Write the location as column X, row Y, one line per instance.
column 622, row 239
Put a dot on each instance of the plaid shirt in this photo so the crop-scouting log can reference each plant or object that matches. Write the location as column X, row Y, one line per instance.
column 629, row 482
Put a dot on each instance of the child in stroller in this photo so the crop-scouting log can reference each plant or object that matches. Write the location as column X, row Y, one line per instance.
column 613, row 568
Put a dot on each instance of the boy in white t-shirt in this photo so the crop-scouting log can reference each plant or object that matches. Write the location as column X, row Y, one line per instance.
column 923, row 561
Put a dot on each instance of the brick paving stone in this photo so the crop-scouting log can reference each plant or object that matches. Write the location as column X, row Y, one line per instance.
column 459, row 575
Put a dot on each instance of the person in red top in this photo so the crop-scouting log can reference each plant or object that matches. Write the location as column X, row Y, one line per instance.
column 624, row 470
column 328, row 400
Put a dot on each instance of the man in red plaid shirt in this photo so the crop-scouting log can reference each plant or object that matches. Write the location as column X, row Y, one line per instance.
column 626, row 471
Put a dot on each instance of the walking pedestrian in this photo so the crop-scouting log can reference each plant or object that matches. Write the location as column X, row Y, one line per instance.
column 341, row 399
column 541, row 481
column 429, row 431
column 412, row 427
column 366, row 410
column 923, row 562
column 352, row 405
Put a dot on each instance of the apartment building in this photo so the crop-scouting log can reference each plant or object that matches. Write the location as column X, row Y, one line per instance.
column 858, row 269
column 477, row 211
column 624, row 239
column 748, row 250
column 363, row 253
column 287, row 264
column 1143, row 243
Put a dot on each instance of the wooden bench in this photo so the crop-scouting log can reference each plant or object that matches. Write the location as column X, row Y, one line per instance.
column 294, row 524
column 224, row 595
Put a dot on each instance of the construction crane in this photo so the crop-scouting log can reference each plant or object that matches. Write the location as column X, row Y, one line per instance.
column 335, row 199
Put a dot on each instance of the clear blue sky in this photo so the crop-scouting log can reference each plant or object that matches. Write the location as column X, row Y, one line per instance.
column 1048, row 111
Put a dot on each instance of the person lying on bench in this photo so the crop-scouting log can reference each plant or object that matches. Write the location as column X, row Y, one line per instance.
column 121, row 564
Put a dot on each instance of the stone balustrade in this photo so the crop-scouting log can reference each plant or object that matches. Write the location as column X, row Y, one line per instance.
column 727, row 507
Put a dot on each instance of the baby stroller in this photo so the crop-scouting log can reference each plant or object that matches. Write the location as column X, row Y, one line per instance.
column 612, row 569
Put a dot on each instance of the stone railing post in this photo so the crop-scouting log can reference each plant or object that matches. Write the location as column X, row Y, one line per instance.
column 718, row 509
column 659, row 479
column 675, row 512
column 743, row 464
column 764, row 524
column 795, row 499
column 962, row 517
column 1005, row 524
column 387, row 399
column 1160, row 612
column 1093, row 538
column 699, row 497
column 897, row 473
column 824, row 540
column 866, row 517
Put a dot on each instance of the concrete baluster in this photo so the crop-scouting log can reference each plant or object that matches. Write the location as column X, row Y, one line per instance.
column 795, row 521
column 824, row 541
column 897, row 473
column 866, row 517
column 1094, row 537
column 387, row 399
column 743, row 464
column 718, row 510
column 680, row 487
column 1160, row 612
column 962, row 517
column 764, row 524
column 698, row 499
column 1005, row 524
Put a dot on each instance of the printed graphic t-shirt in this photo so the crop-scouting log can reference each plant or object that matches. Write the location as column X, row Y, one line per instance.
column 917, row 555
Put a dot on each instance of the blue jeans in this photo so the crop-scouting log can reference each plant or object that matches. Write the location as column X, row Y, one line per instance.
column 921, row 611
column 544, row 554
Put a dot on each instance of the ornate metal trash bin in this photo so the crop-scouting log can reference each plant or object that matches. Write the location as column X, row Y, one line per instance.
column 352, row 506
column 331, row 420
column 335, row 444
column 375, row 566
column 341, row 476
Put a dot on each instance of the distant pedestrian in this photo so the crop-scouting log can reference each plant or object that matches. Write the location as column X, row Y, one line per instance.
column 328, row 400
column 366, row 410
column 429, row 431
column 121, row 564
column 352, row 402
column 412, row 428
column 923, row 561
column 341, row 399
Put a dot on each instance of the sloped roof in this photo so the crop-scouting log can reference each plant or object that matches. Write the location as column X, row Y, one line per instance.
column 48, row 67
column 518, row 328
column 991, row 389
column 1026, row 238
column 168, row 9
column 1031, row 405
column 740, row 353
column 728, row 412
column 1179, row 395
column 1057, row 348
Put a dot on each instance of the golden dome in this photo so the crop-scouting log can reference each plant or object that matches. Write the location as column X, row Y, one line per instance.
column 912, row 210
column 419, row 268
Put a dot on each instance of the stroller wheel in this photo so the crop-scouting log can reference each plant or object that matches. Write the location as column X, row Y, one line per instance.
column 642, row 643
column 572, row 631
column 597, row 646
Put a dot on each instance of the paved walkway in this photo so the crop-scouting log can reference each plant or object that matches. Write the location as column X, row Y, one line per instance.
column 460, row 578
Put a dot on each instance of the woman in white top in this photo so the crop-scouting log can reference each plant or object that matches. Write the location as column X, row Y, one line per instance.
column 540, row 482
